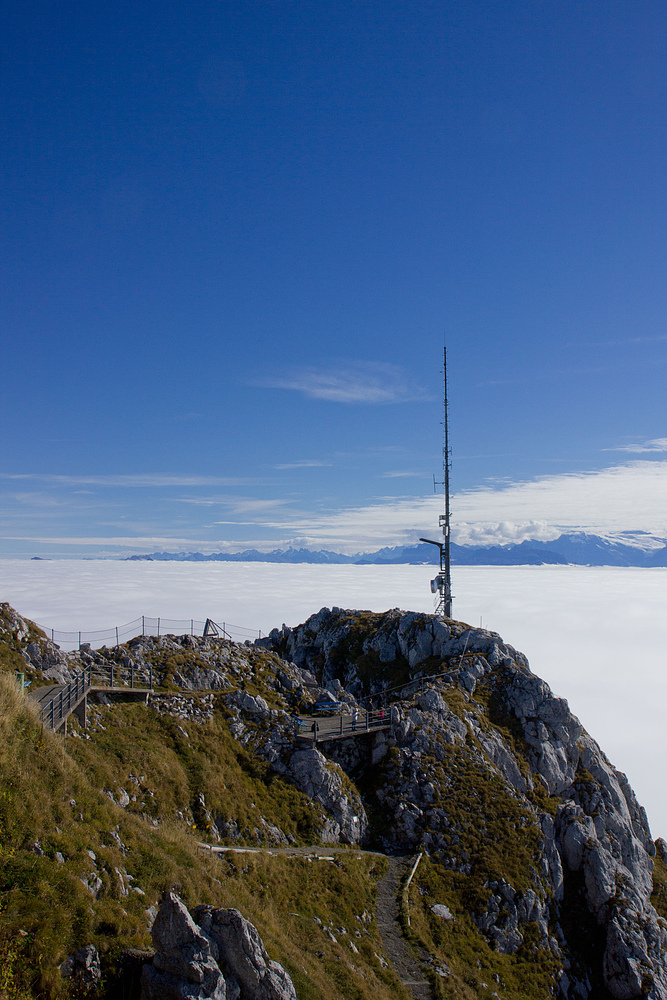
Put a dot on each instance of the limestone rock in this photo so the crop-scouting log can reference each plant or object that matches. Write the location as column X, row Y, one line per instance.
column 253, row 705
column 183, row 967
column 241, row 950
column 324, row 782
column 83, row 966
column 598, row 830
column 211, row 954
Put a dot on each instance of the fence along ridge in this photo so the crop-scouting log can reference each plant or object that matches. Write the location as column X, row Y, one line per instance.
column 147, row 626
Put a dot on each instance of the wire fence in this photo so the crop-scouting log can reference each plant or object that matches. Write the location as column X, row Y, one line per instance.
column 118, row 634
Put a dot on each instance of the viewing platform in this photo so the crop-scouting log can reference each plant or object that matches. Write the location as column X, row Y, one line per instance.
column 318, row 729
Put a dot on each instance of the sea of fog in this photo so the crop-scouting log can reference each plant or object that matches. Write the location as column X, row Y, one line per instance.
column 598, row 636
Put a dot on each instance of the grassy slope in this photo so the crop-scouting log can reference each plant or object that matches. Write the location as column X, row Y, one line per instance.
column 46, row 911
column 52, row 790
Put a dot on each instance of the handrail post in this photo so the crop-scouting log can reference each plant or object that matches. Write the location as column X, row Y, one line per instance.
column 367, row 715
column 341, row 723
column 132, row 676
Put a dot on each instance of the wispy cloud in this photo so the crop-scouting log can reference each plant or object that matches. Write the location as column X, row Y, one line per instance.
column 618, row 342
column 608, row 502
column 305, row 464
column 611, row 501
column 127, row 542
column 148, row 479
column 654, row 445
column 402, row 475
column 350, row 382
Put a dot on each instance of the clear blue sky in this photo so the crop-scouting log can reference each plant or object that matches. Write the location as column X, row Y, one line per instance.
column 233, row 234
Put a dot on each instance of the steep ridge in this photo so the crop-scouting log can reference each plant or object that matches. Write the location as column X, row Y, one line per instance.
column 539, row 877
column 493, row 775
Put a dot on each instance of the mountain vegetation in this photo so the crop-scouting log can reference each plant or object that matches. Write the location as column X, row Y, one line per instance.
column 131, row 848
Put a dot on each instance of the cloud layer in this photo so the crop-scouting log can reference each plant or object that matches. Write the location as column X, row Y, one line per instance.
column 623, row 498
column 654, row 445
column 544, row 611
column 350, row 382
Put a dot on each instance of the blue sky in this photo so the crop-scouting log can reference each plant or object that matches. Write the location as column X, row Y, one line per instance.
column 233, row 234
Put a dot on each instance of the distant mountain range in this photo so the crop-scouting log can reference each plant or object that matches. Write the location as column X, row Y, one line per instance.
column 575, row 548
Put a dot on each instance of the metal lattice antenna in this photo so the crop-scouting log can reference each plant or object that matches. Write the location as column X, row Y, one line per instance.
column 442, row 585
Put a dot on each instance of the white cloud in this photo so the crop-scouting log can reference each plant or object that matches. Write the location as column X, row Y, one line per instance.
column 610, row 501
column 621, row 499
column 402, row 475
column 350, row 382
column 237, row 505
column 655, row 445
column 129, row 543
column 627, row 497
column 503, row 532
column 305, row 464
column 137, row 480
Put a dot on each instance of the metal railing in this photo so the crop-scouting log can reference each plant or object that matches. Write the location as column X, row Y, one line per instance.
column 57, row 709
column 145, row 625
column 334, row 727
column 116, row 675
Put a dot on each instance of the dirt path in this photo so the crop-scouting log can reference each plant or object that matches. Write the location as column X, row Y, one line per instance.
column 402, row 957
column 404, row 961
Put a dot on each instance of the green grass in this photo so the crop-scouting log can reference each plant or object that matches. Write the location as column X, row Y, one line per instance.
column 659, row 896
column 527, row 975
column 51, row 792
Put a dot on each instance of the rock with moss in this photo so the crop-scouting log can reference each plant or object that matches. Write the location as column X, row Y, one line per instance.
column 495, row 778
column 183, row 967
column 325, row 782
column 210, row 954
column 240, row 950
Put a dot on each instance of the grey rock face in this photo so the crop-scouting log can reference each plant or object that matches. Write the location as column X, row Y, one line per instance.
column 599, row 828
column 183, row 966
column 39, row 653
column 213, row 954
column 242, row 951
column 83, row 966
column 253, row 705
column 324, row 781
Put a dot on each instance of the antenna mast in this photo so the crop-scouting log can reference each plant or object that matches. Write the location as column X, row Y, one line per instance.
column 446, row 600
column 442, row 585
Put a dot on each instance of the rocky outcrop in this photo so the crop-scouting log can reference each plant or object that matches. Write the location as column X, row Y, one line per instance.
column 211, row 954
column 83, row 967
column 483, row 770
column 325, row 782
column 485, row 729
column 44, row 660
column 240, row 949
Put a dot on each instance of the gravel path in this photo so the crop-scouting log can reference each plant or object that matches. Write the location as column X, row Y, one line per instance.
column 404, row 961
column 401, row 955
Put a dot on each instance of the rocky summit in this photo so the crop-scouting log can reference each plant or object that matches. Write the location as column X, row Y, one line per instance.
column 460, row 836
